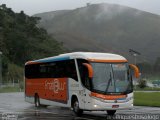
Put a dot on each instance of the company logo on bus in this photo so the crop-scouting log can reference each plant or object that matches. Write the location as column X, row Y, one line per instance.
column 55, row 85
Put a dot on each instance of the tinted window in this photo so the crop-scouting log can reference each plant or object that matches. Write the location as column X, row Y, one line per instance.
column 60, row 69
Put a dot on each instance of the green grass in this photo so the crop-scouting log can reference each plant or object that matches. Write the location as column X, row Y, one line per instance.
column 9, row 89
column 147, row 99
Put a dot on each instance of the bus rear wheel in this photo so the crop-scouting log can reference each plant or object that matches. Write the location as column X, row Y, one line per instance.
column 36, row 101
column 76, row 109
column 111, row 112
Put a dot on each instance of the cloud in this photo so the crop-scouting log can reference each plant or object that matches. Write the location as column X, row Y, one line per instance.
column 36, row 6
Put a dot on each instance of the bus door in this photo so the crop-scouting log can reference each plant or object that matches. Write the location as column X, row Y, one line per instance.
column 86, row 84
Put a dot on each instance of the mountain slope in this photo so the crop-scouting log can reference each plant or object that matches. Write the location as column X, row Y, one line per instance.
column 106, row 28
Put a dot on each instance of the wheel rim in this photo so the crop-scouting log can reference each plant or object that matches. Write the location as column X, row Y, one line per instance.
column 37, row 102
column 76, row 106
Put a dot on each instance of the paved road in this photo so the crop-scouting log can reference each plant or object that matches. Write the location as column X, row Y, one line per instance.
column 13, row 107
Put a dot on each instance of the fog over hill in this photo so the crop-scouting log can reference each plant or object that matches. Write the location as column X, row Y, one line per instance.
column 106, row 28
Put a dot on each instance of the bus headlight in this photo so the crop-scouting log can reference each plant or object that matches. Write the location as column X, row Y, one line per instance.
column 95, row 106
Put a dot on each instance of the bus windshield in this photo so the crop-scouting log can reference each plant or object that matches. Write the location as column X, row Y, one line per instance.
column 111, row 78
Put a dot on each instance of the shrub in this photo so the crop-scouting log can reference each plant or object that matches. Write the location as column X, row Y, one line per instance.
column 142, row 83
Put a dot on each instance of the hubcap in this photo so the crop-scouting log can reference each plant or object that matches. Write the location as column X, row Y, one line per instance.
column 37, row 102
column 76, row 106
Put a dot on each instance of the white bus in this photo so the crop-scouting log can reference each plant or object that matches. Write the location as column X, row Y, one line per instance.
column 82, row 81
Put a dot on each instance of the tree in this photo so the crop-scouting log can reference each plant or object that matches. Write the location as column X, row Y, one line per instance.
column 15, row 73
column 142, row 83
column 21, row 40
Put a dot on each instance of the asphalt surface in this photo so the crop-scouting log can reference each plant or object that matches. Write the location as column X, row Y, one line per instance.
column 13, row 107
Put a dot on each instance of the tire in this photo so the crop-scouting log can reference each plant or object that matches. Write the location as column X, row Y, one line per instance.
column 36, row 101
column 111, row 112
column 76, row 109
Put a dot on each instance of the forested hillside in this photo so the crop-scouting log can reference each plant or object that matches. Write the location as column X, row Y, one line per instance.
column 22, row 40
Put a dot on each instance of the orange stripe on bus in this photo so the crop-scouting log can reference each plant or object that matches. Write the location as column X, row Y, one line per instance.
column 107, row 97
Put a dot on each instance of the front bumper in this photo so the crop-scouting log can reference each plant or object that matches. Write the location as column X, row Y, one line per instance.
column 100, row 105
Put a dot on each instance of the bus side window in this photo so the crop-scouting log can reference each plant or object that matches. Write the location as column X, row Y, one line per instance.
column 71, row 68
column 32, row 71
column 66, row 69
column 59, row 69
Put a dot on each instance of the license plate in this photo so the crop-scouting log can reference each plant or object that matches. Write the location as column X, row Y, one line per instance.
column 115, row 106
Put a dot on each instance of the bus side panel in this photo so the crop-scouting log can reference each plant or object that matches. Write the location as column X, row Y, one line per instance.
column 53, row 89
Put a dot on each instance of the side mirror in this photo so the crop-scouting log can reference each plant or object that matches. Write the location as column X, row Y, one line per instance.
column 136, row 70
column 90, row 69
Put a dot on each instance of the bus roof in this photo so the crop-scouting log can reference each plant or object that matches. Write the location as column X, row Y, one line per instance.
column 92, row 56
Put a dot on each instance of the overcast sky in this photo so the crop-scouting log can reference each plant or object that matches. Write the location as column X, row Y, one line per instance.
column 32, row 7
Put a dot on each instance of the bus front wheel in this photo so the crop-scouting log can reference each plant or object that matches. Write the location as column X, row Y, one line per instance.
column 76, row 108
column 111, row 112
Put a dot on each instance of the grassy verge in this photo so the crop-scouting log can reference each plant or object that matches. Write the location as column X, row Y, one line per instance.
column 147, row 99
column 9, row 89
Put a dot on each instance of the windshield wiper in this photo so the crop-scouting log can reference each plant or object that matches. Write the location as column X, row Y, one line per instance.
column 109, row 82
column 130, row 82
column 129, row 87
